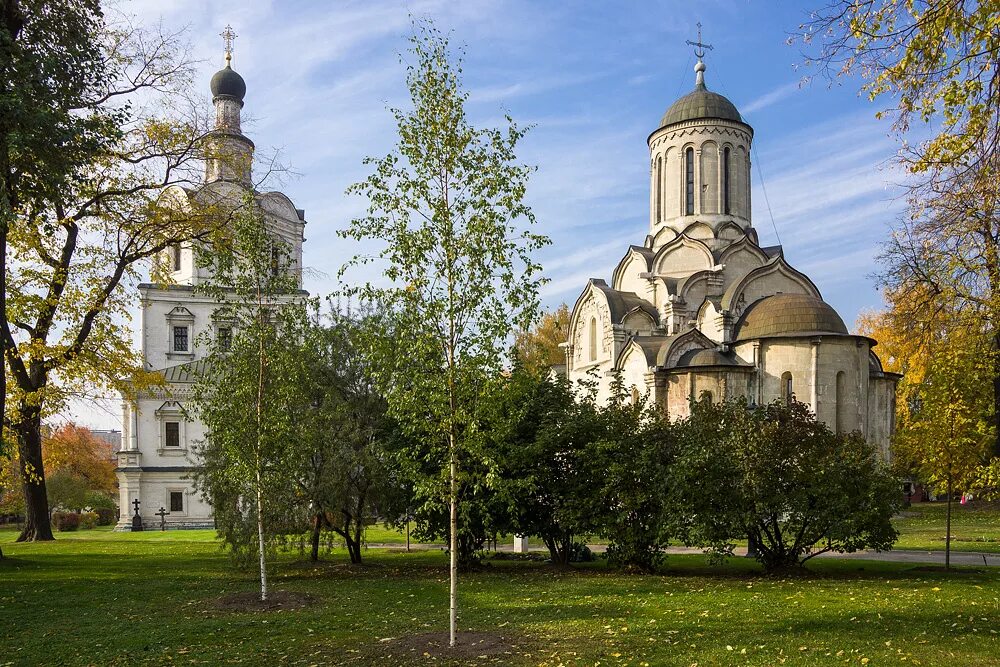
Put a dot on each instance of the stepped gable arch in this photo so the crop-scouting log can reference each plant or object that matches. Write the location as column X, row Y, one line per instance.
column 637, row 260
column 673, row 349
column 645, row 348
column 773, row 277
column 663, row 235
column 278, row 203
column 682, row 256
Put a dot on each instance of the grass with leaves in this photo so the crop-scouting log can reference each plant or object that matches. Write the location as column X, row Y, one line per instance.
column 974, row 527
column 96, row 597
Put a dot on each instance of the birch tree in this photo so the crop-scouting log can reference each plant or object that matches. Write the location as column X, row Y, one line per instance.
column 447, row 209
column 243, row 395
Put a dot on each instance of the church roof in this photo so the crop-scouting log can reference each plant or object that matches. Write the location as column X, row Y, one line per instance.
column 622, row 303
column 710, row 357
column 700, row 103
column 788, row 314
column 187, row 373
column 228, row 82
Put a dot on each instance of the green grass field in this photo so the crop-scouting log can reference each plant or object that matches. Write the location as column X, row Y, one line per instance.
column 102, row 598
column 974, row 527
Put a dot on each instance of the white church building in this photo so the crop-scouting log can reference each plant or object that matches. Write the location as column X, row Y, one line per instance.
column 157, row 455
column 699, row 310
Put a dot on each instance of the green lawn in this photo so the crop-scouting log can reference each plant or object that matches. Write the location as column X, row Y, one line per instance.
column 974, row 527
column 104, row 598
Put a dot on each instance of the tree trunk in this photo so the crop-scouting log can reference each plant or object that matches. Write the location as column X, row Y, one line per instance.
column 947, row 531
column 260, row 536
column 36, row 504
column 996, row 395
column 453, row 544
column 317, row 525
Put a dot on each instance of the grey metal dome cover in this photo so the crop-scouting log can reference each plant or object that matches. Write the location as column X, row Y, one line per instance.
column 788, row 314
column 227, row 82
column 700, row 103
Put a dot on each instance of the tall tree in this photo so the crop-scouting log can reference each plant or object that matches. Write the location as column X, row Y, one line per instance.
column 82, row 234
column 342, row 469
column 447, row 204
column 246, row 456
column 538, row 348
column 49, row 59
column 937, row 62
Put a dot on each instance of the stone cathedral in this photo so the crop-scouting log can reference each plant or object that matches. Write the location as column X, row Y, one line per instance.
column 701, row 310
column 158, row 438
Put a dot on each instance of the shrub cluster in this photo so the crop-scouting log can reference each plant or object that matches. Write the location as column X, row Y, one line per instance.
column 727, row 473
column 66, row 521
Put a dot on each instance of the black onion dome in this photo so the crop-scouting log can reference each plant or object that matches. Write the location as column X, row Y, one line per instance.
column 229, row 83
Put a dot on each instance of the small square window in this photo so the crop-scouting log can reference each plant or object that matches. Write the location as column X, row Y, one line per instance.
column 225, row 338
column 176, row 501
column 173, row 434
column 180, row 339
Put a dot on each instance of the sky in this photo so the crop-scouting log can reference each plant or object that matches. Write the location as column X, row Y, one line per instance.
column 593, row 79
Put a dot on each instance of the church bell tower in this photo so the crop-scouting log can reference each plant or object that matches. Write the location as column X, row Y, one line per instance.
column 229, row 151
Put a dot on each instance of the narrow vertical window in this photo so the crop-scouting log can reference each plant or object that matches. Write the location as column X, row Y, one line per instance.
column 841, row 412
column 175, row 256
column 659, row 189
column 275, row 261
column 172, row 434
column 593, row 339
column 180, row 339
column 689, row 176
column 787, row 395
column 176, row 501
column 725, row 180
column 225, row 338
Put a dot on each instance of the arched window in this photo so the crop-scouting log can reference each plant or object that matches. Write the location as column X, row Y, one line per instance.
column 706, row 396
column 725, row 181
column 841, row 410
column 689, row 180
column 787, row 395
column 175, row 256
column 593, row 339
column 659, row 189
column 635, row 395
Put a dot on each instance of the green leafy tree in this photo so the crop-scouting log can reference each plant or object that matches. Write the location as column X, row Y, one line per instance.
column 935, row 63
column 83, row 214
column 446, row 205
column 633, row 451
column 246, row 394
column 948, row 431
column 542, row 446
column 538, row 349
column 778, row 475
column 344, row 473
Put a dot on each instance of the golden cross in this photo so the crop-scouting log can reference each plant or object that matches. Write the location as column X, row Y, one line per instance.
column 228, row 35
column 699, row 47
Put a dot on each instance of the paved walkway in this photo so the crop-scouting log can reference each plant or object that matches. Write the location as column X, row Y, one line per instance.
column 895, row 556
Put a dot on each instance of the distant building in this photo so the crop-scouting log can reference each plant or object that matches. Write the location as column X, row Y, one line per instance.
column 701, row 310
column 157, row 454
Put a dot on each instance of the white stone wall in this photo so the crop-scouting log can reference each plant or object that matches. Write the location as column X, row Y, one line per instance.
column 708, row 139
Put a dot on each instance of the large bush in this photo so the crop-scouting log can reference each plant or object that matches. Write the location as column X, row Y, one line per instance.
column 778, row 476
column 66, row 521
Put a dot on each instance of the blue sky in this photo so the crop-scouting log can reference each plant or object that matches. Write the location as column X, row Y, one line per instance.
column 594, row 79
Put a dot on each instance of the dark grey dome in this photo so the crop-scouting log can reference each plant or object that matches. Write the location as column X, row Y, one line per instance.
column 700, row 103
column 788, row 314
column 710, row 357
column 227, row 82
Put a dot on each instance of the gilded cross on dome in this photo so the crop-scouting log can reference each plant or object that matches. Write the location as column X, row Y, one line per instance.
column 228, row 35
column 699, row 46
